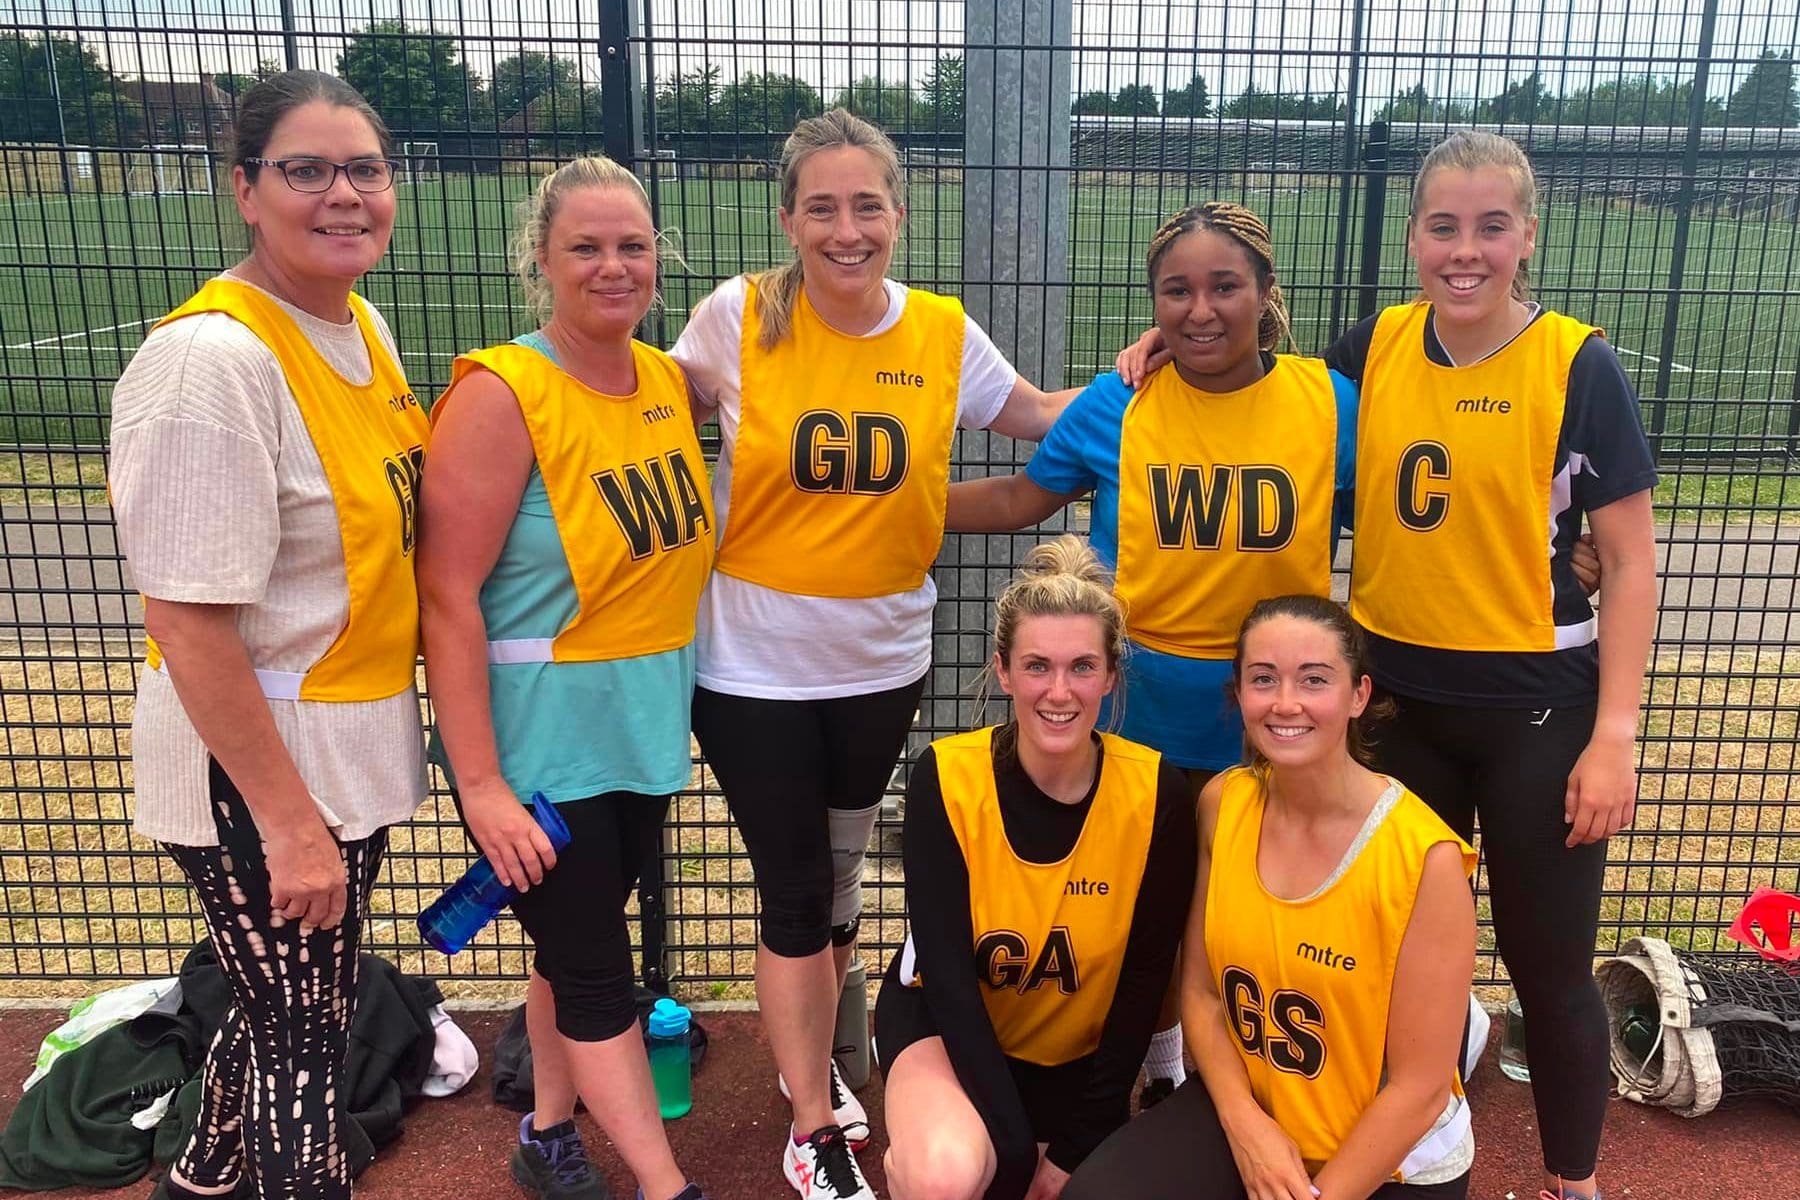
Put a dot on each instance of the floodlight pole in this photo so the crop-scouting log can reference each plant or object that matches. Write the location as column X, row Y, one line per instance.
column 62, row 128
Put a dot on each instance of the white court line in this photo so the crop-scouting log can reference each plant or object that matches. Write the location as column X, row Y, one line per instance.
column 1673, row 365
column 82, row 333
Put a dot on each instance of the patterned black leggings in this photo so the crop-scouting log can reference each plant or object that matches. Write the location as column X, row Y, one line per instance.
column 270, row 1100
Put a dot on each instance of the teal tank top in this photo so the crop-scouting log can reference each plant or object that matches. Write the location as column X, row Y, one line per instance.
column 571, row 730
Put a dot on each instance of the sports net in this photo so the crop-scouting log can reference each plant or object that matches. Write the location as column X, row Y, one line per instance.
column 419, row 160
column 1691, row 1032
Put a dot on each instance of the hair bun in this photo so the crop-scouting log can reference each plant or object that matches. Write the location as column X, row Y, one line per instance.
column 1066, row 555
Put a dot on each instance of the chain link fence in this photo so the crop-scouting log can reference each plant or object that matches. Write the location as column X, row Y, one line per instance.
column 1044, row 140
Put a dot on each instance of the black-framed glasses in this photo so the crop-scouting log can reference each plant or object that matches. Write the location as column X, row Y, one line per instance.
column 318, row 174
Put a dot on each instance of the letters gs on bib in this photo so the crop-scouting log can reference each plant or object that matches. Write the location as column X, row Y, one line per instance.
column 1286, row 1029
column 404, row 472
column 868, row 456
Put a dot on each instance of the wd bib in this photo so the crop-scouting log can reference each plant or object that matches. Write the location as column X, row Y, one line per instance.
column 841, row 469
column 1224, row 499
column 1454, row 489
column 371, row 441
column 1050, row 938
column 627, row 486
column 1306, row 983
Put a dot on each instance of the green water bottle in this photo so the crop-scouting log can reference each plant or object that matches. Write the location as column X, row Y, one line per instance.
column 671, row 1070
column 1639, row 1028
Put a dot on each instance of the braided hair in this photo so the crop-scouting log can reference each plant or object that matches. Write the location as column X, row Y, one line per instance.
column 1247, row 229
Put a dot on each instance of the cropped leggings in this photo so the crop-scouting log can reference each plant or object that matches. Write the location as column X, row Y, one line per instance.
column 1509, row 767
column 270, row 1101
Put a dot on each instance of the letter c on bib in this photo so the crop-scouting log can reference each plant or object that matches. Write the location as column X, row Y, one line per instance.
column 1421, row 507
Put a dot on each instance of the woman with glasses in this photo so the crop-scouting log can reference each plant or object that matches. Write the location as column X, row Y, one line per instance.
column 266, row 451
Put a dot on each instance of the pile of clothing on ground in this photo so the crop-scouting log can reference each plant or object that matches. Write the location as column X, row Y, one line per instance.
column 118, row 1086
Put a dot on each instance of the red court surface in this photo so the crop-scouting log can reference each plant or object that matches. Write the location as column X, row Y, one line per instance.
column 456, row 1149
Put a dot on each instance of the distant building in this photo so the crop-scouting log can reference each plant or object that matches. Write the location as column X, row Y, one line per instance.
column 184, row 113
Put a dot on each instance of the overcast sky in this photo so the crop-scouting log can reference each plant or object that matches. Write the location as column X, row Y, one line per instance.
column 1456, row 47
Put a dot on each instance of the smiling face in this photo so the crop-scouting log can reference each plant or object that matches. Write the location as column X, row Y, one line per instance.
column 1297, row 692
column 1468, row 238
column 599, row 258
column 844, row 223
column 1209, row 307
column 338, row 234
column 1058, row 675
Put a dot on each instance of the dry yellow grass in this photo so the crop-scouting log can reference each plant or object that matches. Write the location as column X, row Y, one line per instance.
column 45, row 478
column 86, row 901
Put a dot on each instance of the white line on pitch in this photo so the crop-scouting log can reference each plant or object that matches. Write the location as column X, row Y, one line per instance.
column 50, row 341
column 1673, row 365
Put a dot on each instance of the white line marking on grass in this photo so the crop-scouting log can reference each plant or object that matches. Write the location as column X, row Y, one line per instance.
column 50, row 341
column 1673, row 365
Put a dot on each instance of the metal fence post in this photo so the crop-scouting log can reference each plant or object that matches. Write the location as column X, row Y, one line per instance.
column 1375, row 181
column 618, row 98
column 290, row 41
column 1015, row 259
column 1346, row 183
column 1684, row 215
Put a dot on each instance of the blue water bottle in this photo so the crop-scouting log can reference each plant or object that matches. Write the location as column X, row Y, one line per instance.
column 472, row 901
column 671, row 1068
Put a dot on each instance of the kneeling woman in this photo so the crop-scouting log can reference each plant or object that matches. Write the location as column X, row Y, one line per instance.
column 1326, row 967
column 1042, row 863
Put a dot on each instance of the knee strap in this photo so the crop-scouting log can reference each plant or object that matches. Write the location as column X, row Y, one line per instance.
column 850, row 830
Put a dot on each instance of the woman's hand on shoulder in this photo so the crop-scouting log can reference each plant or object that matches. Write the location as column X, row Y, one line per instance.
column 515, row 847
column 1585, row 561
column 1140, row 360
column 1268, row 1160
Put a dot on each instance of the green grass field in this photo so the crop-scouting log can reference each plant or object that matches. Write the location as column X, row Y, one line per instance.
column 83, row 276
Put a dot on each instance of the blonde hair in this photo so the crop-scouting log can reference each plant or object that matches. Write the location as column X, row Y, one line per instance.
column 1470, row 150
column 1060, row 578
column 538, row 210
column 778, row 288
column 1247, row 229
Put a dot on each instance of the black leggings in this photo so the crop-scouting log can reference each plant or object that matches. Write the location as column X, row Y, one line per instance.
column 288, row 1028
column 1509, row 767
column 1178, row 1151
column 785, row 766
column 576, row 916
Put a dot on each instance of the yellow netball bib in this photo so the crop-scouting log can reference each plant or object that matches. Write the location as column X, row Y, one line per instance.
column 371, row 441
column 1224, row 499
column 841, row 468
column 1050, row 938
column 1454, row 489
column 627, row 486
column 1306, row 983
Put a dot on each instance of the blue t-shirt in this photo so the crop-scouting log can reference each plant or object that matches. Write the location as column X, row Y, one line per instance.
column 576, row 729
column 1171, row 703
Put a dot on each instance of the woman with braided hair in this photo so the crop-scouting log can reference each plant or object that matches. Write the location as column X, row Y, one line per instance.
column 1220, row 480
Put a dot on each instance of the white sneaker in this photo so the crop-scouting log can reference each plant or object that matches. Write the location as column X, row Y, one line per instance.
column 822, row 1167
column 846, row 1109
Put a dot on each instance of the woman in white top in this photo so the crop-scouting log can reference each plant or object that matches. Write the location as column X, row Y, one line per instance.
column 265, row 452
column 838, row 393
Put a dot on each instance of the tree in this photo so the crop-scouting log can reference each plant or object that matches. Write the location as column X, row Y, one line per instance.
column 1259, row 105
column 1189, row 101
column 771, row 103
column 1093, row 104
column 941, row 95
column 95, row 110
column 413, row 79
column 1637, row 100
column 525, row 76
column 888, row 105
column 233, row 84
column 1766, row 97
column 1521, row 102
column 1135, row 100
column 684, row 104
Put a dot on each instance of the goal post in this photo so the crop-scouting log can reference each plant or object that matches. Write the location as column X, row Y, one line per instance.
column 170, row 170
column 419, row 160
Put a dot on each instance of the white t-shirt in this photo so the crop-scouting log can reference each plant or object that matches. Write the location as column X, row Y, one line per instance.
column 756, row 641
column 220, row 498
